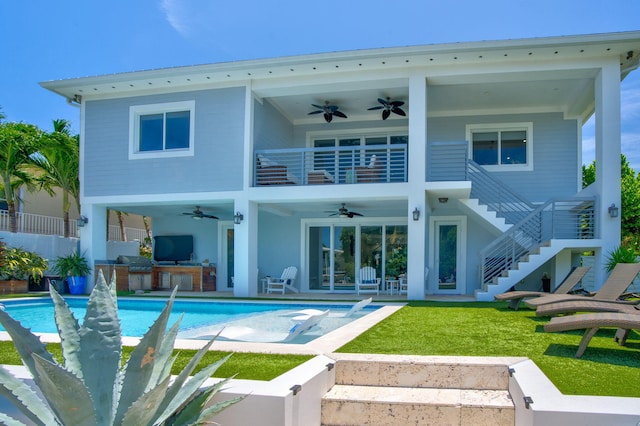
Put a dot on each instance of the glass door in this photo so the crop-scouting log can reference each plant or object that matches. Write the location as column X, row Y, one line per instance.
column 448, row 255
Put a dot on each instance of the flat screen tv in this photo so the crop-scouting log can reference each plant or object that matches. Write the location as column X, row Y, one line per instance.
column 172, row 248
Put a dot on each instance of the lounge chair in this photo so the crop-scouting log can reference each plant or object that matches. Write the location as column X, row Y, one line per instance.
column 573, row 306
column 516, row 297
column 303, row 314
column 367, row 282
column 592, row 323
column 620, row 279
column 249, row 334
column 284, row 283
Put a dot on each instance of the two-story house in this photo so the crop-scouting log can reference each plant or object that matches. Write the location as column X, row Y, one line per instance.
column 458, row 165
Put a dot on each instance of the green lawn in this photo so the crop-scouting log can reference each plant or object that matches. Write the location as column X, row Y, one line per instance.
column 491, row 329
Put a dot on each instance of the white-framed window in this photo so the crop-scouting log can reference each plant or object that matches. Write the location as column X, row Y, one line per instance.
column 161, row 130
column 501, row 147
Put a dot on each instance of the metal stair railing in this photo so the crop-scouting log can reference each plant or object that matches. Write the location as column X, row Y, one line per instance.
column 556, row 219
column 496, row 195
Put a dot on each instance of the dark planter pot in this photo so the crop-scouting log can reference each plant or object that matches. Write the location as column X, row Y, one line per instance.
column 546, row 285
column 76, row 285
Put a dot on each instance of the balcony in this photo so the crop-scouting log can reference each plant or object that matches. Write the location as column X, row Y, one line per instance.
column 331, row 166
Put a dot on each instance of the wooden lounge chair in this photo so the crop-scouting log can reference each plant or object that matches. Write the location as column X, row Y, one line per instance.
column 573, row 306
column 592, row 323
column 620, row 279
column 516, row 297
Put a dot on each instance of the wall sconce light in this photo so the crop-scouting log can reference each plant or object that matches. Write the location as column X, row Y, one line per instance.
column 416, row 214
column 443, row 200
column 613, row 210
column 82, row 221
column 238, row 218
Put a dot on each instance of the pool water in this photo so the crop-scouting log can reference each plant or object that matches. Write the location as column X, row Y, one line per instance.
column 136, row 316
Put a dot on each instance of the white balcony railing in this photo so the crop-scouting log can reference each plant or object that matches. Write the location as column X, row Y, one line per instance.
column 48, row 225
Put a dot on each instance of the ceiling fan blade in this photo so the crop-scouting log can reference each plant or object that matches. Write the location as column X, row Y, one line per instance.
column 315, row 112
column 385, row 114
column 328, row 117
column 351, row 214
column 339, row 114
column 209, row 216
column 383, row 101
column 397, row 103
column 398, row 111
column 375, row 107
column 188, row 214
column 317, row 106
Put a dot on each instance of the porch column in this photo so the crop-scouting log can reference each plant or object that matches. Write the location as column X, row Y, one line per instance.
column 245, row 256
column 93, row 238
column 608, row 149
column 416, row 240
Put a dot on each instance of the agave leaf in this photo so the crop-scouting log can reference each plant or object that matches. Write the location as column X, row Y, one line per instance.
column 10, row 421
column 21, row 396
column 101, row 345
column 164, row 361
column 180, row 390
column 26, row 343
column 68, row 328
column 143, row 411
column 139, row 368
column 211, row 411
column 66, row 394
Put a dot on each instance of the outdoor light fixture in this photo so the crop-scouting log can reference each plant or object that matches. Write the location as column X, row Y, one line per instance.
column 443, row 200
column 82, row 221
column 238, row 218
column 613, row 210
column 416, row 214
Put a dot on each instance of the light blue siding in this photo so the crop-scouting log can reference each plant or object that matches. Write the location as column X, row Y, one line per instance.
column 271, row 129
column 278, row 244
column 555, row 152
column 217, row 163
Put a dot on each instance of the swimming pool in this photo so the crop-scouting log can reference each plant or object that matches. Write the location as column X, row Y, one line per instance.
column 136, row 315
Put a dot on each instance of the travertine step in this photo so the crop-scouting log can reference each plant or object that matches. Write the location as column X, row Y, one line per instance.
column 375, row 405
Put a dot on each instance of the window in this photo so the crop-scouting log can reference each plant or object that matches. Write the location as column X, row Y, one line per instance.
column 161, row 130
column 502, row 146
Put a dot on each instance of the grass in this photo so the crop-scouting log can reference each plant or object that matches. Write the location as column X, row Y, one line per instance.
column 491, row 329
column 246, row 365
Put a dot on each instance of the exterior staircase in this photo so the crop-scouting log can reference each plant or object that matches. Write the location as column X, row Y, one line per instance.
column 418, row 390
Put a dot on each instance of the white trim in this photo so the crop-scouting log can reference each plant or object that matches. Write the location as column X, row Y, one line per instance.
column 135, row 111
column 501, row 127
column 461, row 265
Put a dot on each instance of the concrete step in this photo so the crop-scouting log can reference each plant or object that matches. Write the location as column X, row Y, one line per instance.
column 376, row 405
column 455, row 372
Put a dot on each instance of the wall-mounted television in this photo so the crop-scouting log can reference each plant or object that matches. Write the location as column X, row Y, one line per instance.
column 172, row 248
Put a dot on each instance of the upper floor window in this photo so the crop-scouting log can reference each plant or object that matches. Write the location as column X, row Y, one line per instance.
column 501, row 146
column 160, row 130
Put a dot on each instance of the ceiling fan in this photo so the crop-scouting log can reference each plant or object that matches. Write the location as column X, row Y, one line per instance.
column 198, row 214
column 328, row 110
column 388, row 106
column 343, row 212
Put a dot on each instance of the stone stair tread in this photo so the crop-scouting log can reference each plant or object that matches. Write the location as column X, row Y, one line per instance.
column 426, row 396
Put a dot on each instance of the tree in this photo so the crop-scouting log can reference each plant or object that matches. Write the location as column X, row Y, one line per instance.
column 59, row 163
column 18, row 142
column 630, row 196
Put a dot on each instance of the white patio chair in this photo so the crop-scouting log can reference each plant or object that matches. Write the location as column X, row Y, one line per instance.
column 367, row 282
column 285, row 282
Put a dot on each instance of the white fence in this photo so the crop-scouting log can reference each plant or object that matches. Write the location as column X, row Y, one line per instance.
column 47, row 225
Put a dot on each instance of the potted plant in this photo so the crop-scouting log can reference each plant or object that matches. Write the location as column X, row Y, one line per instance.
column 17, row 265
column 75, row 267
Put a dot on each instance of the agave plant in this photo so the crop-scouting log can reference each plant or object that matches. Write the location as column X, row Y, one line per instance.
column 92, row 387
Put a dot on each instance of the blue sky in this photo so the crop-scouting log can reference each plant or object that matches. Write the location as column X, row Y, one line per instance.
column 49, row 40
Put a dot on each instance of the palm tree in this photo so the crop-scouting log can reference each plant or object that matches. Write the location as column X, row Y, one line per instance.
column 59, row 162
column 18, row 142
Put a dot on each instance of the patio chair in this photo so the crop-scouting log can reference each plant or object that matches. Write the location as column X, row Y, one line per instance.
column 620, row 279
column 285, row 282
column 574, row 306
column 591, row 323
column 570, row 281
column 367, row 282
